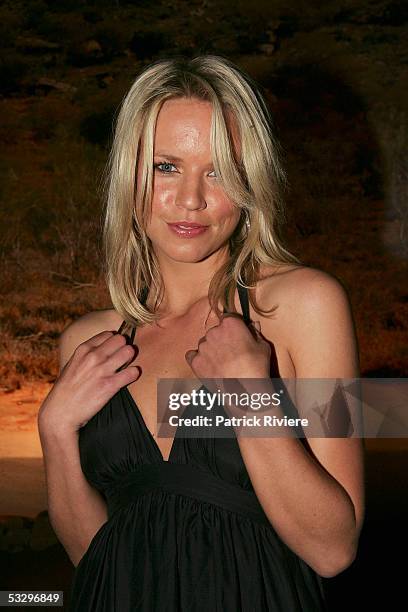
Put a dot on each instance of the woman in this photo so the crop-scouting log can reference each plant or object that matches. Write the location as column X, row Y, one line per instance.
column 194, row 260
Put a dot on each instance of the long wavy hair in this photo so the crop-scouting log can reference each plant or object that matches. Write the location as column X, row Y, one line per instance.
column 255, row 182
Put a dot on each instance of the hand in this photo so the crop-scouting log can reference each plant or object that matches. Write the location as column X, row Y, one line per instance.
column 231, row 349
column 88, row 381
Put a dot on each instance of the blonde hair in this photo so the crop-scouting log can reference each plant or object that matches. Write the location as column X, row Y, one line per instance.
column 254, row 183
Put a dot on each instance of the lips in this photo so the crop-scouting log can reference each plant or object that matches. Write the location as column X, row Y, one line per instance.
column 186, row 229
column 187, row 224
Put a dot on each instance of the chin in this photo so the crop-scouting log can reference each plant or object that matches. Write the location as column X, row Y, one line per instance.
column 187, row 253
column 188, row 256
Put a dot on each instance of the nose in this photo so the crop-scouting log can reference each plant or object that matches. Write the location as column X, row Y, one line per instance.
column 190, row 194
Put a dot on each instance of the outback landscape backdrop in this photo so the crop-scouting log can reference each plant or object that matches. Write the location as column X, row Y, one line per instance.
column 335, row 76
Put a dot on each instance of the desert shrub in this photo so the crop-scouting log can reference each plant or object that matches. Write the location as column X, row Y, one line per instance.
column 73, row 231
column 61, row 221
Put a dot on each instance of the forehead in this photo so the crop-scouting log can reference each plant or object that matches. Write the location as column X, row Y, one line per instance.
column 188, row 120
column 179, row 108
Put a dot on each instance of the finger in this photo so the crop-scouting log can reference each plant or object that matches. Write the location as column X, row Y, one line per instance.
column 99, row 338
column 126, row 376
column 235, row 315
column 201, row 340
column 249, row 326
column 225, row 315
column 121, row 358
column 93, row 344
column 189, row 356
column 112, row 344
column 103, row 337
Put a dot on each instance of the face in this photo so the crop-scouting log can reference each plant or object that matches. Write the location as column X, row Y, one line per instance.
column 185, row 186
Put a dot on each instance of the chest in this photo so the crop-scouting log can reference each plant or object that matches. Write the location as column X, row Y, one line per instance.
column 161, row 354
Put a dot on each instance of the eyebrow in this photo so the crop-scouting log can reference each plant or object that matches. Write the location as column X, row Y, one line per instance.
column 173, row 157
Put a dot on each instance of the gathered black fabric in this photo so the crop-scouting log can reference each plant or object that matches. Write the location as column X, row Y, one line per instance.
column 185, row 535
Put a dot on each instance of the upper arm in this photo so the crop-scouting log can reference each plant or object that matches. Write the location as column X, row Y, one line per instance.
column 322, row 341
column 322, row 344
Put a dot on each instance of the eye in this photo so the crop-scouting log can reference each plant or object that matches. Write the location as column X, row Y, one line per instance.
column 163, row 164
column 166, row 171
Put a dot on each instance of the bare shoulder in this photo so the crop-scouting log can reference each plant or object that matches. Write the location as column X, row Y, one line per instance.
column 312, row 320
column 298, row 288
column 84, row 328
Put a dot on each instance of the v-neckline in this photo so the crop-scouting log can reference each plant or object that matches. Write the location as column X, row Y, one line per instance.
column 243, row 298
column 136, row 409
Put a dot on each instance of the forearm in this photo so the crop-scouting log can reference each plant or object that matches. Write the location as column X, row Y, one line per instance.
column 76, row 509
column 310, row 510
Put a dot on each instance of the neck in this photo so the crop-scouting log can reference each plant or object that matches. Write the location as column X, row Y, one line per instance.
column 186, row 284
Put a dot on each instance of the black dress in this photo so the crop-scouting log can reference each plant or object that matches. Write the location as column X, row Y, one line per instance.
column 187, row 534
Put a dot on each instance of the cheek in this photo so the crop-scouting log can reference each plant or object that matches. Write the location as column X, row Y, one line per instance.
column 160, row 207
column 227, row 214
